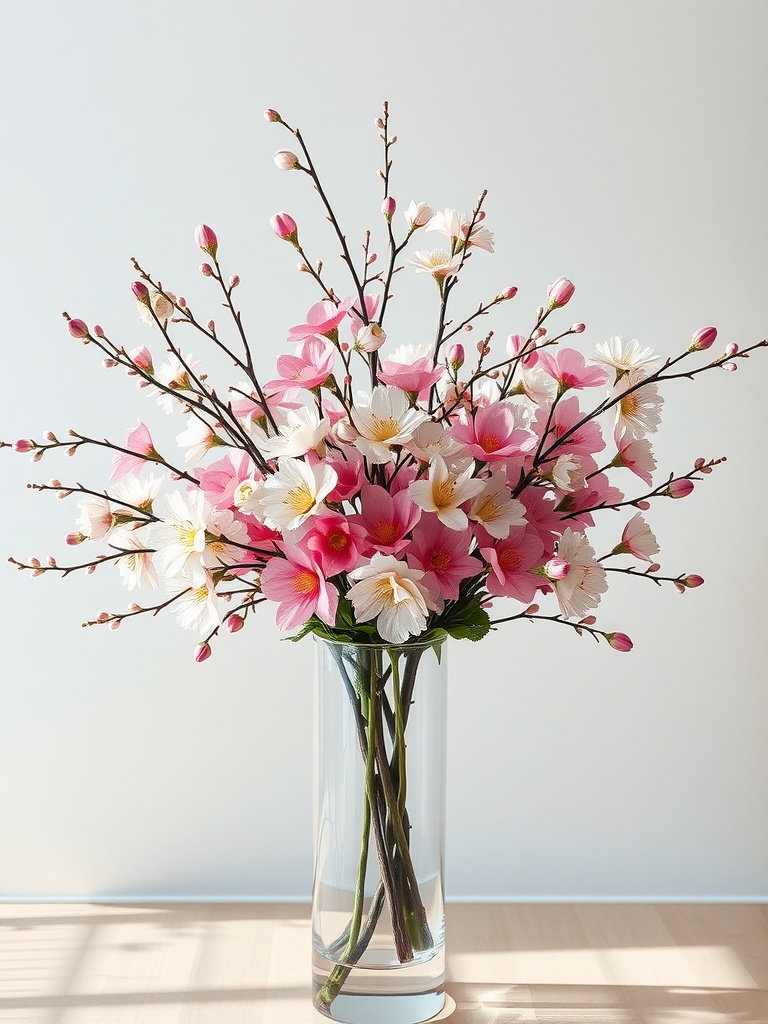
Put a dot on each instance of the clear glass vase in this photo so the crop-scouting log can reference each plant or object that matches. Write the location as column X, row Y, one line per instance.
column 379, row 815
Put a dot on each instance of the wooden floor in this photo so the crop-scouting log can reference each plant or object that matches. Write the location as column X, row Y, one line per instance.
column 248, row 964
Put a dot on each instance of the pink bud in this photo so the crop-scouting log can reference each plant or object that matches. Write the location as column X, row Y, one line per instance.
column 36, row 456
column 455, row 357
column 732, row 349
column 560, row 292
column 90, row 569
column 115, row 624
column 531, row 609
column 235, row 623
column 285, row 227
column 206, row 269
column 109, row 364
column 102, row 616
column 286, row 160
column 23, row 445
column 203, row 652
column 588, row 620
column 98, row 331
column 272, row 115
column 619, row 642
column 211, row 325
column 644, row 505
column 388, row 207
column 653, row 567
column 578, row 328
column 379, row 122
column 141, row 291
column 77, row 328
column 679, row 587
column 703, row 338
column 692, row 581
column 142, row 358
column 371, row 259
column 181, row 302
column 730, row 367
column 206, row 240
column 679, row 488
column 507, row 293
column 234, row 281
column 557, row 568
column 74, row 538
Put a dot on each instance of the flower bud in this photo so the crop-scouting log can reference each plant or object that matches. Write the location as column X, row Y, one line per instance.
column 379, row 122
column 115, row 624
column 74, row 538
column 588, row 620
column 181, row 302
column 730, row 367
column 77, row 328
column 272, row 115
column 619, row 642
column 692, row 581
column 388, row 208
column 370, row 338
column 732, row 349
column 211, row 325
column 50, row 436
column 206, row 240
column 23, row 445
column 560, row 292
column 109, row 364
column 141, row 292
column 286, row 160
column 702, row 339
column 142, row 358
column 455, row 357
column 578, row 328
column 234, row 623
column 206, row 269
column 203, row 652
column 557, row 568
column 234, row 281
column 285, row 227
column 507, row 293
column 679, row 488
column 98, row 332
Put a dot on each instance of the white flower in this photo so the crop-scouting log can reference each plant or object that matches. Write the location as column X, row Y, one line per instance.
column 455, row 225
column 296, row 492
column 431, row 439
column 623, row 355
column 140, row 493
column 388, row 590
column 437, row 262
column 638, row 540
column 301, row 431
column 639, row 412
column 95, row 520
column 369, row 338
column 198, row 438
column 224, row 536
column 579, row 592
column 384, row 419
column 417, row 215
column 197, row 607
column 406, row 355
column 173, row 375
column 136, row 568
column 535, row 384
column 163, row 307
column 567, row 474
column 448, row 223
column 496, row 509
column 180, row 537
column 443, row 493
column 247, row 497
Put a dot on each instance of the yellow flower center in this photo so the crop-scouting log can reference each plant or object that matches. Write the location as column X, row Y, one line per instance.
column 383, row 430
column 489, row 442
column 440, row 560
column 487, row 509
column 300, row 500
column 385, row 533
column 187, row 534
column 442, row 494
column 338, row 541
column 306, row 582
column 510, row 559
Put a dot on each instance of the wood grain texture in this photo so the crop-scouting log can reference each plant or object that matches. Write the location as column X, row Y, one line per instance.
column 248, row 964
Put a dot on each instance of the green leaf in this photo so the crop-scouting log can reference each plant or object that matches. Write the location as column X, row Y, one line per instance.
column 465, row 620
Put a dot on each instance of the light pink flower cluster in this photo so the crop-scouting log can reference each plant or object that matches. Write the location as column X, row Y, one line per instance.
column 383, row 493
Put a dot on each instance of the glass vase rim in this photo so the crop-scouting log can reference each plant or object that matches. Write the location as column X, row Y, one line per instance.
column 414, row 646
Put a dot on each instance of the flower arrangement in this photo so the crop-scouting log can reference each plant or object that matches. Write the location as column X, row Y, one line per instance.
column 397, row 506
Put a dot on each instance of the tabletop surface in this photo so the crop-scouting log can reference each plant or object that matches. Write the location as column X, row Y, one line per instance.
column 248, row 964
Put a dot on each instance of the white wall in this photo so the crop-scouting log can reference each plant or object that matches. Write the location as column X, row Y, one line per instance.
column 623, row 145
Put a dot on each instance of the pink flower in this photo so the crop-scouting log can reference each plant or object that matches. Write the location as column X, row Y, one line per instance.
column 541, row 516
column 335, row 543
column 299, row 586
column 598, row 492
column 569, row 368
column 493, row 433
column 442, row 555
column 349, row 466
column 386, row 519
column 635, row 454
column 703, row 338
column 638, row 540
column 142, row 358
column 219, row 480
column 285, row 227
column 372, row 303
column 138, row 440
column 309, row 368
column 511, row 560
column 587, row 440
column 205, row 238
column 323, row 319
column 560, row 292
column 23, row 445
column 410, row 371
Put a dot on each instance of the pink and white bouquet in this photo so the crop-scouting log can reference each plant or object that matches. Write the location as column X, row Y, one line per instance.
column 379, row 490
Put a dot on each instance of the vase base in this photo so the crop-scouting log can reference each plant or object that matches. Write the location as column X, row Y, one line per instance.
column 378, row 1009
column 406, row 994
